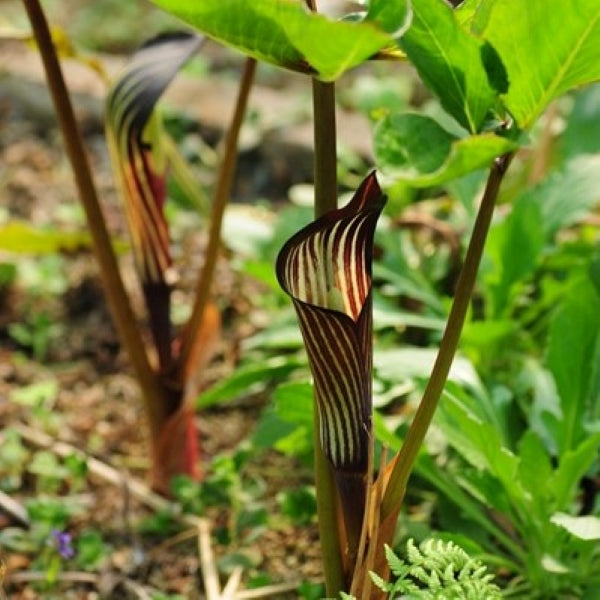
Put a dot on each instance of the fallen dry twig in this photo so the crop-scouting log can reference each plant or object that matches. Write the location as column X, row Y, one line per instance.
column 232, row 585
column 14, row 509
column 266, row 591
column 210, row 576
column 64, row 577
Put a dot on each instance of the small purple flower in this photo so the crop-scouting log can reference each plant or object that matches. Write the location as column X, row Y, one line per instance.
column 63, row 543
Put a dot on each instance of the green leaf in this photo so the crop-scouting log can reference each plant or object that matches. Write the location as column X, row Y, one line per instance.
column 392, row 16
column 480, row 444
column 293, row 401
column 36, row 394
column 474, row 14
column 283, row 33
column 582, row 132
column 416, row 149
column 567, row 195
column 299, row 505
column 465, row 502
column 585, row 528
column 45, row 464
column 246, row 380
column 573, row 345
column 398, row 364
column 548, row 47
column 451, row 63
column 535, row 469
column 537, row 383
column 387, row 314
column 91, row 550
column 288, row 425
column 572, row 467
column 514, row 247
column 22, row 238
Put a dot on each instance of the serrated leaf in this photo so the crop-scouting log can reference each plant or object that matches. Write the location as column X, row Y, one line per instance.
column 548, row 47
column 284, row 33
column 451, row 63
column 416, row 149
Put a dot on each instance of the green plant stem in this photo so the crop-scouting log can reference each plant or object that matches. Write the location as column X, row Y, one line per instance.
column 118, row 300
column 325, row 157
column 405, row 459
column 328, row 517
column 221, row 198
column 325, row 180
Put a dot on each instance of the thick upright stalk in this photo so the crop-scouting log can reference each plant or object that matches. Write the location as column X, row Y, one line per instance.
column 325, row 180
column 405, row 459
column 221, row 198
column 325, row 176
column 328, row 518
column 118, row 301
column 325, row 157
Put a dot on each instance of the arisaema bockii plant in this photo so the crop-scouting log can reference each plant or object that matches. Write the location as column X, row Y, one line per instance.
column 135, row 139
column 169, row 369
column 494, row 66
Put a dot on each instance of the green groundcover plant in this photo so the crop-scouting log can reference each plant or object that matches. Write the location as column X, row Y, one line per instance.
column 494, row 66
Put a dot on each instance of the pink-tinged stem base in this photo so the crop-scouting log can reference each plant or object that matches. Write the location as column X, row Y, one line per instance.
column 176, row 451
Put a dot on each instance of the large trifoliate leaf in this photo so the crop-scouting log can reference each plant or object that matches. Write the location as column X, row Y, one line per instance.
column 464, row 72
column 547, row 46
column 285, row 33
column 416, row 149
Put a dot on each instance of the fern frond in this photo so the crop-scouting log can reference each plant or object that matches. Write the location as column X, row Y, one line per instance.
column 437, row 570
